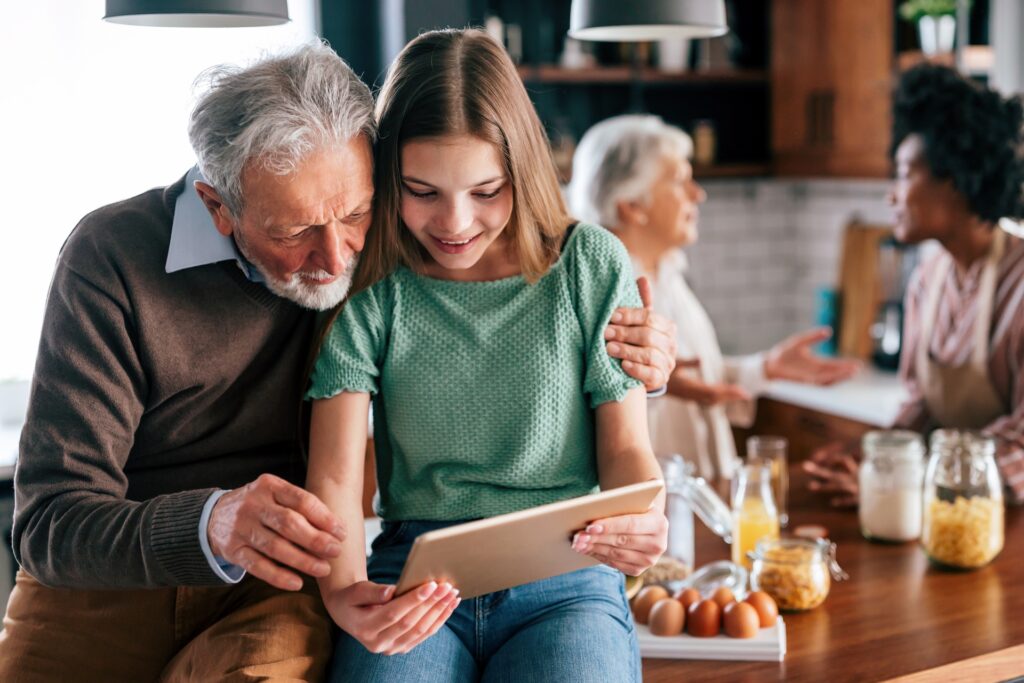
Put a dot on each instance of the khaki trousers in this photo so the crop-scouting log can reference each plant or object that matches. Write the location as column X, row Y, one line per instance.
column 246, row 632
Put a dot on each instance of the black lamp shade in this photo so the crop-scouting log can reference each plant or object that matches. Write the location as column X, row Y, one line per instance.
column 641, row 20
column 198, row 13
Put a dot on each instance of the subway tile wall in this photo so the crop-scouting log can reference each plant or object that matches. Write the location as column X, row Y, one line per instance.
column 767, row 246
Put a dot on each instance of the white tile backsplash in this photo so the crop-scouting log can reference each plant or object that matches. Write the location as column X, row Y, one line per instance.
column 766, row 246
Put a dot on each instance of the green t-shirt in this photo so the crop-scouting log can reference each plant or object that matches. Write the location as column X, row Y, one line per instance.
column 484, row 392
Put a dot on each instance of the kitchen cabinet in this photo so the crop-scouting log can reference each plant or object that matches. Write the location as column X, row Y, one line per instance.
column 831, row 75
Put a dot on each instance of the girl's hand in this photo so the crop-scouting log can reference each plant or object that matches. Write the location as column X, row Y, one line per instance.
column 629, row 543
column 384, row 624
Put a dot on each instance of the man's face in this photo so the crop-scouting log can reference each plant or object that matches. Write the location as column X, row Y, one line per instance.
column 303, row 231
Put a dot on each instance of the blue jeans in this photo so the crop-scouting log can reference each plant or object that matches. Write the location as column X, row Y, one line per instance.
column 570, row 628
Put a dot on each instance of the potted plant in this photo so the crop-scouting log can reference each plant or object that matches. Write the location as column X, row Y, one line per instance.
column 936, row 23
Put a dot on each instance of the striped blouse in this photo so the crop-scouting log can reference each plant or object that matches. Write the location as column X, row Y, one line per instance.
column 951, row 343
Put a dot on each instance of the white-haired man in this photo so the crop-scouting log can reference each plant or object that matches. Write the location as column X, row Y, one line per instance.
column 160, row 523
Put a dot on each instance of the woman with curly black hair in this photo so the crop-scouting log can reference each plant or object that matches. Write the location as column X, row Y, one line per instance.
column 959, row 153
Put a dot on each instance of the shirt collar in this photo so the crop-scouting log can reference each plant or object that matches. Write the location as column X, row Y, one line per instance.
column 672, row 263
column 195, row 240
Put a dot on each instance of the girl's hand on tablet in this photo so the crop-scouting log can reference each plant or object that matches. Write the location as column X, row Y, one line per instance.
column 384, row 624
column 629, row 543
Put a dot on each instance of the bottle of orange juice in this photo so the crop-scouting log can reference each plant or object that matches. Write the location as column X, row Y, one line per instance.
column 754, row 516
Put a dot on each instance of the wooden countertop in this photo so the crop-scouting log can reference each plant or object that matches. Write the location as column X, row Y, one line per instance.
column 896, row 615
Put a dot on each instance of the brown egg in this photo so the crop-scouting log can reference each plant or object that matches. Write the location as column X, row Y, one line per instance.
column 667, row 617
column 687, row 597
column 767, row 610
column 723, row 596
column 740, row 619
column 644, row 601
column 704, row 619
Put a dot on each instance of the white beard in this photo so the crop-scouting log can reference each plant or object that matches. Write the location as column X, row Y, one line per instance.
column 300, row 290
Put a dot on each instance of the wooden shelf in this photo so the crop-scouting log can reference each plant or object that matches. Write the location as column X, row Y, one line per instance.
column 978, row 59
column 735, row 170
column 624, row 75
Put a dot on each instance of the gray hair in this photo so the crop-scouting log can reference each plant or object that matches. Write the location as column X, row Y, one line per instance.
column 275, row 112
column 618, row 160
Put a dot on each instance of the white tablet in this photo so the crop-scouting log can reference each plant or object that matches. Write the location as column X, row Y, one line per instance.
column 509, row 550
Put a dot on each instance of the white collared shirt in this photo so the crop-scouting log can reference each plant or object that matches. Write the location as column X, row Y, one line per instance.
column 701, row 435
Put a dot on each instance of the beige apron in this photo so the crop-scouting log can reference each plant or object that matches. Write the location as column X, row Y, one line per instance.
column 961, row 396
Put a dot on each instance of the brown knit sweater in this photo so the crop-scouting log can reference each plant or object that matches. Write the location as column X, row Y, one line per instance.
column 150, row 390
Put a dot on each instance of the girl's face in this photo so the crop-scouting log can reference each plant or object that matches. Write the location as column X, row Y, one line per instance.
column 456, row 201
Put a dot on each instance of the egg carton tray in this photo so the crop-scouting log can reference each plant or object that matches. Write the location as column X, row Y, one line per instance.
column 769, row 645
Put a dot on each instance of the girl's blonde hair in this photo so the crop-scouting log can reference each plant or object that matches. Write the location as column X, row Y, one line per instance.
column 462, row 82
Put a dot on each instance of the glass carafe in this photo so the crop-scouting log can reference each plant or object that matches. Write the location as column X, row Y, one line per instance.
column 686, row 495
column 754, row 515
column 962, row 521
column 772, row 451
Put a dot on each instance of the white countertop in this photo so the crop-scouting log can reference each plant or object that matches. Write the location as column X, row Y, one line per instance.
column 873, row 397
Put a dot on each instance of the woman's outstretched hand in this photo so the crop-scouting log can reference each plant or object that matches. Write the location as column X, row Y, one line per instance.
column 793, row 359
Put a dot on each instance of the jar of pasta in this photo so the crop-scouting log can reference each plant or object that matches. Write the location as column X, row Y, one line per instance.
column 962, row 522
column 796, row 572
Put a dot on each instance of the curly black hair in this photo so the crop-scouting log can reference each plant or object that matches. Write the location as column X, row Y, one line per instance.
column 972, row 136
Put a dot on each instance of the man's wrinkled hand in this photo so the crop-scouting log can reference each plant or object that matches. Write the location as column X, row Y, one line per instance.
column 643, row 340
column 270, row 526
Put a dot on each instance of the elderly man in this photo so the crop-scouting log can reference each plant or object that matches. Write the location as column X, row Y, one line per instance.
column 159, row 522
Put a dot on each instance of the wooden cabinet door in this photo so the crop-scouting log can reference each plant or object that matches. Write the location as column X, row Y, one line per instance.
column 800, row 78
column 831, row 72
column 861, row 33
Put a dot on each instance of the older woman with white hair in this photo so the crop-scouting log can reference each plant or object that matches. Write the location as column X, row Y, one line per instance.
column 632, row 174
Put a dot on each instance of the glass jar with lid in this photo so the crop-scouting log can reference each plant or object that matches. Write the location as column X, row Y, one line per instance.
column 891, row 477
column 796, row 572
column 962, row 524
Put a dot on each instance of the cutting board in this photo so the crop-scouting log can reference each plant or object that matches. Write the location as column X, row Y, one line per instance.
column 769, row 645
column 859, row 287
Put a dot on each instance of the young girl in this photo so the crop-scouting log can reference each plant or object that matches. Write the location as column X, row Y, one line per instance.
column 478, row 331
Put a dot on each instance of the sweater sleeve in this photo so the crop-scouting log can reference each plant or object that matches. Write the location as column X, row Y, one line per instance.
column 351, row 354
column 73, row 525
column 601, row 280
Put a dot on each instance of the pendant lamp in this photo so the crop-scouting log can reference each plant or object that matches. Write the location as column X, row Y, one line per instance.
column 642, row 20
column 198, row 13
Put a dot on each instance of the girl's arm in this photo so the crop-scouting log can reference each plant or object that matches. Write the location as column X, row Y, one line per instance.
column 337, row 448
column 629, row 543
column 368, row 611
